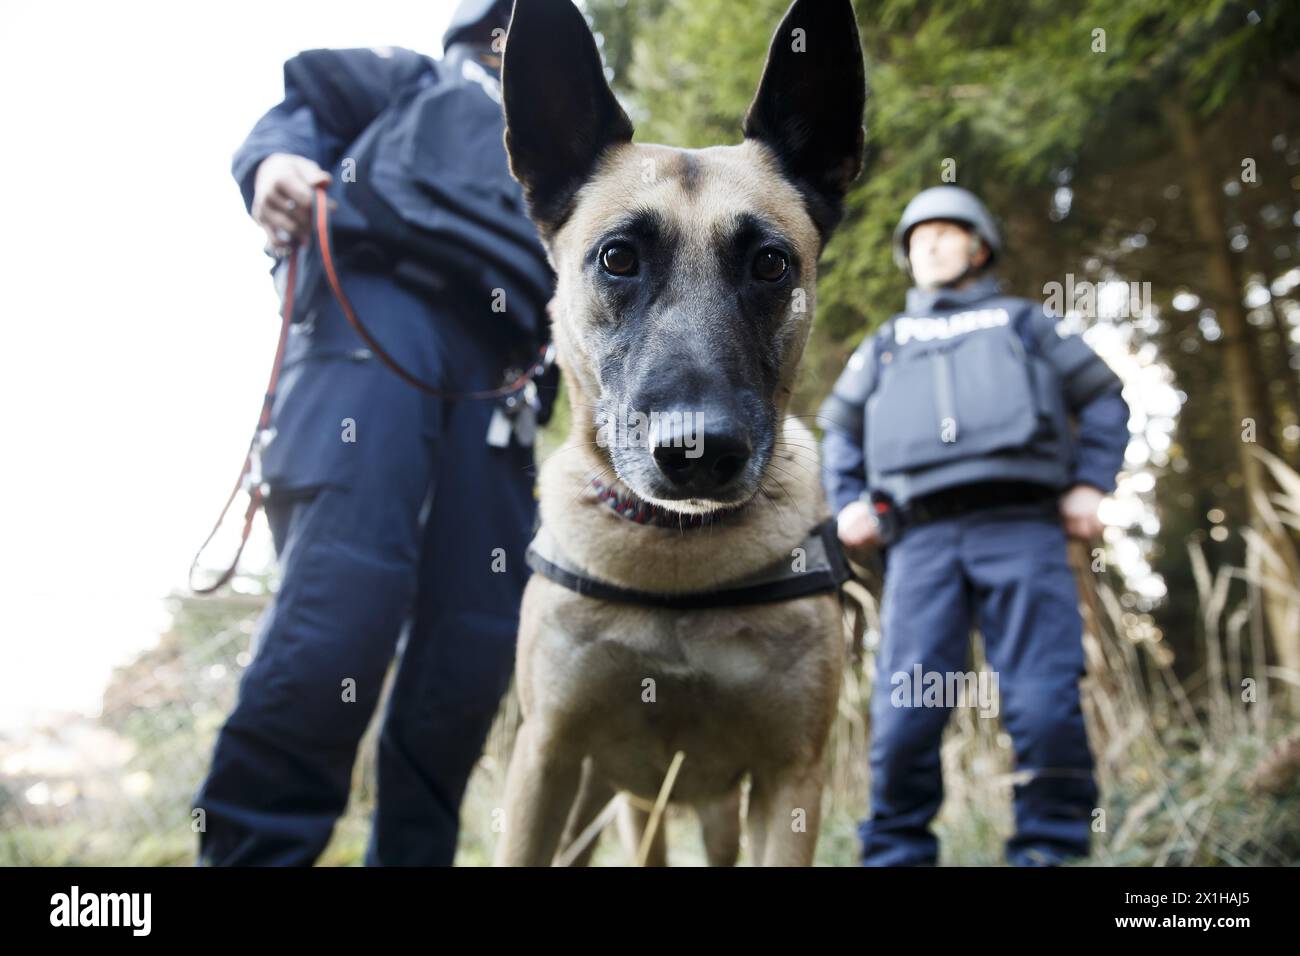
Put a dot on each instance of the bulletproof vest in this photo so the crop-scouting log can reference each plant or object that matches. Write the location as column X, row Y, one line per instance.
column 960, row 395
column 426, row 193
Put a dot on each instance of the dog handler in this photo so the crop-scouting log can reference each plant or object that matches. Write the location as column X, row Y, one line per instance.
column 395, row 513
column 949, row 442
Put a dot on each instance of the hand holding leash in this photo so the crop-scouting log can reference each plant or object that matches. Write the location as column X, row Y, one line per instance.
column 282, row 199
column 283, row 183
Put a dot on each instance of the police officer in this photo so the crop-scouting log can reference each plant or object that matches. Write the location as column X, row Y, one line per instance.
column 968, row 438
column 400, row 518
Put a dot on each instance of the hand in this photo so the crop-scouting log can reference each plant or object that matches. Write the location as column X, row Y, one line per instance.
column 857, row 526
column 1079, row 511
column 282, row 198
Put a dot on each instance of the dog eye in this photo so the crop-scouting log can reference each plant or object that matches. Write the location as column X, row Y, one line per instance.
column 619, row 259
column 770, row 265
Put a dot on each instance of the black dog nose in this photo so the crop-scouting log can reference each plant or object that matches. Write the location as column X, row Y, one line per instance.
column 703, row 461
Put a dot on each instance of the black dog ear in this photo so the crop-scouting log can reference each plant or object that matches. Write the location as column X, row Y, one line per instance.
column 809, row 104
column 560, row 112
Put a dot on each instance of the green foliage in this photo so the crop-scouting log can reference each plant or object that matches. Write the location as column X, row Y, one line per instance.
column 1013, row 93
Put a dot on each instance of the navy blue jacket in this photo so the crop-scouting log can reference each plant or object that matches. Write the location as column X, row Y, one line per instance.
column 428, row 224
column 971, row 386
column 420, row 177
column 374, row 78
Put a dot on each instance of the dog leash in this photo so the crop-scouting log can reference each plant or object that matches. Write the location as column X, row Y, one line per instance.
column 546, row 353
column 246, row 470
column 252, row 482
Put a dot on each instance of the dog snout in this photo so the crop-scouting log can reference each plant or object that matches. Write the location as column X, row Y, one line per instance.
column 701, row 458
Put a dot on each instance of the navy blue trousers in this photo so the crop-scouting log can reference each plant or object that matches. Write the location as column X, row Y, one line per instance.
column 408, row 540
column 1005, row 570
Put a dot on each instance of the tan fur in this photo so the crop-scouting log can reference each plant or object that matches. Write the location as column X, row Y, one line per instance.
column 750, row 690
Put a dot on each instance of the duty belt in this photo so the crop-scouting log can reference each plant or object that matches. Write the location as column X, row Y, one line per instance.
column 976, row 497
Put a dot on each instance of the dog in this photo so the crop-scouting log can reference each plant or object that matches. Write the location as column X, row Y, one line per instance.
column 685, row 293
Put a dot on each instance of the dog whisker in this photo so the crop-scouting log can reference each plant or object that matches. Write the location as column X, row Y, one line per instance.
column 807, row 469
column 784, row 491
column 571, row 447
column 792, row 450
column 780, row 513
column 820, row 420
column 812, row 444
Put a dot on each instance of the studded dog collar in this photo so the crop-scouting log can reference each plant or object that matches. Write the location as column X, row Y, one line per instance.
column 644, row 512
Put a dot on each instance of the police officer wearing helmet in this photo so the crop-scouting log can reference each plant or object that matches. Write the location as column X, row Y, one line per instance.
column 400, row 518
column 968, row 438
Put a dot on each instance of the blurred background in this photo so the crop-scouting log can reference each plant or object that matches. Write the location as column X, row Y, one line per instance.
column 1144, row 154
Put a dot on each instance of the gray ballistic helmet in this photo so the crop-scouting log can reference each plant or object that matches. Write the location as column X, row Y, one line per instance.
column 946, row 202
column 471, row 14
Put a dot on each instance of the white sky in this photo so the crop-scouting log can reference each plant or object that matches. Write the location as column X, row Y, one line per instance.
column 140, row 317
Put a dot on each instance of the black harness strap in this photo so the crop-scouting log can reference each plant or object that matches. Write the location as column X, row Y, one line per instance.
column 784, row 584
